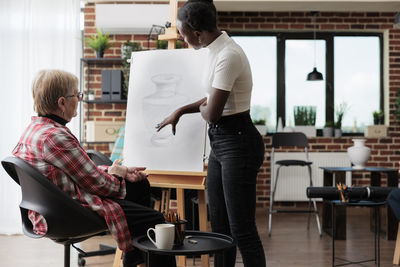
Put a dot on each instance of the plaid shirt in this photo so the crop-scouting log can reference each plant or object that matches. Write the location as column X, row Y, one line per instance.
column 57, row 154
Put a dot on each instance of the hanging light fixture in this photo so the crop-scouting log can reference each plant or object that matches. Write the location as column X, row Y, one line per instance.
column 315, row 75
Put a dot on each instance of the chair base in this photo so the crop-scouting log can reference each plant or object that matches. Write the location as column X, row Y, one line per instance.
column 103, row 250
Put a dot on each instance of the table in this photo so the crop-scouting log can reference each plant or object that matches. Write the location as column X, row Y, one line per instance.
column 389, row 224
column 370, row 204
column 207, row 243
column 181, row 181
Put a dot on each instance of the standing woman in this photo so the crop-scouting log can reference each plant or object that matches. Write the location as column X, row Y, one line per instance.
column 237, row 149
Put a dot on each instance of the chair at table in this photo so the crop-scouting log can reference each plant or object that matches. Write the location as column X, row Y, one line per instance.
column 68, row 221
column 293, row 139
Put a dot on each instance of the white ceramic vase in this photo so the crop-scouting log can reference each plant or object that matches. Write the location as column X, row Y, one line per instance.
column 359, row 154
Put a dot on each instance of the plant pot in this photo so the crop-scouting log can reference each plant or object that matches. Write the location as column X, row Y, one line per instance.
column 99, row 54
column 327, row 131
column 261, row 128
column 91, row 97
column 309, row 131
column 338, row 133
column 359, row 154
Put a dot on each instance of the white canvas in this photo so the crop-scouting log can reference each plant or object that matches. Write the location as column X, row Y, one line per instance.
column 160, row 82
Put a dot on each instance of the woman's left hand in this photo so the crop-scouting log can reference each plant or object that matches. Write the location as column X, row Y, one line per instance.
column 136, row 174
column 117, row 169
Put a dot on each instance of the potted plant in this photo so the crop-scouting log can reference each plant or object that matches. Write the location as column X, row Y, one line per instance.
column 379, row 117
column 99, row 43
column 126, row 52
column 340, row 110
column 304, row 120
column 91, row 95
column 260, row 125
column 378, row 129
column 328, row 129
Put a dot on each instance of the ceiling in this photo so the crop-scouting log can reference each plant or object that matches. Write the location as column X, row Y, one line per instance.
column 308, row 5
column 289, row 5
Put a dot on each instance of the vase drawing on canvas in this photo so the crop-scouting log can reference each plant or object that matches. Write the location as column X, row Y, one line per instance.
column 160, row 104
column 359, row 154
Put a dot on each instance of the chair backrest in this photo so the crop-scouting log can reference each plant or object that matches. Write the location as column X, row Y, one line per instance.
column 67, row 220
column 289, row 139
column 99, row 158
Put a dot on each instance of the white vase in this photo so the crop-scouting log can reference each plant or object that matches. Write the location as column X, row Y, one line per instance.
column 160, row 104
column 359, row 154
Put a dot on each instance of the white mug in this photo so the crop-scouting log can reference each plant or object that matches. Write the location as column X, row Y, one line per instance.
column 165, row 234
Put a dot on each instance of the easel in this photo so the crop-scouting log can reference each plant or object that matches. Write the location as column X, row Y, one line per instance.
column 176, row 179
column 181, row 180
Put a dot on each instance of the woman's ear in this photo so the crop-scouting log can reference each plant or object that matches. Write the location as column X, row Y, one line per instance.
column 61, row 102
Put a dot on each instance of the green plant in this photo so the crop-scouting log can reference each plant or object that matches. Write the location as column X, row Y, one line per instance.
column 161, row 44
column 378, row 117
column 340, row 110
column 304, row 115
column 126, row 52
column 259, row 122
column 329, row 124
column 100, row 42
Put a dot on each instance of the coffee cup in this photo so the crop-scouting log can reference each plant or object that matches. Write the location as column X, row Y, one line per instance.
column 164, row 235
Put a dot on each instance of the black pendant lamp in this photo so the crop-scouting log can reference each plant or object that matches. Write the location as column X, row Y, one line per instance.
column 315, row 75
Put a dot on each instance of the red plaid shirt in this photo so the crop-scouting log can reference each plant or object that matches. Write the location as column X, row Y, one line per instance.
column 57, row 154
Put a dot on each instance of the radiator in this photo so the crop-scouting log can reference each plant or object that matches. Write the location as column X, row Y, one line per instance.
column 293, row 181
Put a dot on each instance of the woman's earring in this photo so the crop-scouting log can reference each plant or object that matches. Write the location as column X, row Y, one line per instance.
column 63, row 114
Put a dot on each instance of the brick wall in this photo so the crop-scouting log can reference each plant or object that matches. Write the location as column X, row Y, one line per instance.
column 385, row 152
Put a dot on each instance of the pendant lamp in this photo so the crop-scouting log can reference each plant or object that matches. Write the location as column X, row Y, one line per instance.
column 315, row 75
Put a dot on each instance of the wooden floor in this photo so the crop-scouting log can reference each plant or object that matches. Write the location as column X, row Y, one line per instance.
column 290, row 245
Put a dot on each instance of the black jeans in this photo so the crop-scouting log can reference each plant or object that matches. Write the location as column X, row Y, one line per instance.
column 237, row 152
column 140, row 217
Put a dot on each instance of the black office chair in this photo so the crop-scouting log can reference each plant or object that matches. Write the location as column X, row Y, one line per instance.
column 99, row 158
column 68, row 221
column 294, row 139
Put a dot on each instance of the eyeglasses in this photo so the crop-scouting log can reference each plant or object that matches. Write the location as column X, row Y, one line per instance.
column 78, row 95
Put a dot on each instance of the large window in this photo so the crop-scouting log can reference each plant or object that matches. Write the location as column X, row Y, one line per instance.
column 351, row 64
column 263, row 67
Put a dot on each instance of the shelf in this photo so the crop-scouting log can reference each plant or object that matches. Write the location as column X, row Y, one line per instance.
column 122, row 101
column 103, row 61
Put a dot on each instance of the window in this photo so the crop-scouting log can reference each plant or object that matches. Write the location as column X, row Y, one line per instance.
column 351, row 64
column 263, row 67
column 357, row 75
column 299, row 91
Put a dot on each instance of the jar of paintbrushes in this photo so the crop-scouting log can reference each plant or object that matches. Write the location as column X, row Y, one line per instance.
column 173, row 218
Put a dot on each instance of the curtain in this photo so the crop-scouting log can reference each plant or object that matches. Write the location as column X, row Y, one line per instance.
column 34, row 35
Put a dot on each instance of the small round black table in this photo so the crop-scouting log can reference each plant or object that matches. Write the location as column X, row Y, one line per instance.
column 202, row 243
column 363, row 203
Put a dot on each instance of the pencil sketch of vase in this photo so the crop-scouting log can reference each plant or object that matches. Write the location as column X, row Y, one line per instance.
column 160, row 104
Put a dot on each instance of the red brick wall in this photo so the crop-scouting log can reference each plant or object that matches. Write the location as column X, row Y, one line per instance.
column 385, row 152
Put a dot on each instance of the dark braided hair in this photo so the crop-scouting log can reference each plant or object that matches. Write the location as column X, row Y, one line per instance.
column 199, row 15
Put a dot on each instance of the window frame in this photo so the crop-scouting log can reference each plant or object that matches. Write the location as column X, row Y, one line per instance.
column 281, row 38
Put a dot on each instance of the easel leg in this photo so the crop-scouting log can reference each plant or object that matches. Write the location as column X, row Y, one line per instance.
column 396, row 257
column 203, row 221
column 180, row 197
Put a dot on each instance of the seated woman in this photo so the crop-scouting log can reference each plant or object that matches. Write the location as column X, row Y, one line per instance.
column 117, row 193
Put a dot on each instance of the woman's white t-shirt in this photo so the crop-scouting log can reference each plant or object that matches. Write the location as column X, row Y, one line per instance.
column 228, row 69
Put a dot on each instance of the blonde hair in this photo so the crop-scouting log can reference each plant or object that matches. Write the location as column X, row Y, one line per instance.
column 48, row 86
